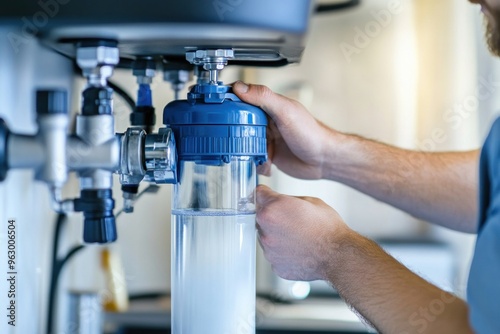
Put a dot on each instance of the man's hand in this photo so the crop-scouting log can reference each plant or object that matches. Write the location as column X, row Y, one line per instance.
column 297, row 234
column 436, row 187
column 305, row 239
column 296, row 140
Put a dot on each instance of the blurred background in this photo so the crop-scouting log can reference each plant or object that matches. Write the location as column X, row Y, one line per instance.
column 415, row 74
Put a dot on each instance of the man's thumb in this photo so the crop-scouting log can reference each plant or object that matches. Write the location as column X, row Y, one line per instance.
column 275, row 105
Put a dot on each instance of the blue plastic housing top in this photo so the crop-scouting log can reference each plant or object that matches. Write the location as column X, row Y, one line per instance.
column 213, row 125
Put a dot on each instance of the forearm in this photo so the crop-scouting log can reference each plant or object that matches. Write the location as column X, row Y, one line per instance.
column 388, row 295
column 437, row 187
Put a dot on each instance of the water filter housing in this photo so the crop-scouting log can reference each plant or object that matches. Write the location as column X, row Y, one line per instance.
column 220, row 141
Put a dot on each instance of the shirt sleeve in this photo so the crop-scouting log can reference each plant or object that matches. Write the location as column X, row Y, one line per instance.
column 483, row 291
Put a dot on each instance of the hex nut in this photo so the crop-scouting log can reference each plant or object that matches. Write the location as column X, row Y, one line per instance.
column 144, row 72
column 209, row 56
column 91, row 57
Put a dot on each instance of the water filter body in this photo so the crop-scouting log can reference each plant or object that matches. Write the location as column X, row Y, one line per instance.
column 220, row 141
column 213, row 267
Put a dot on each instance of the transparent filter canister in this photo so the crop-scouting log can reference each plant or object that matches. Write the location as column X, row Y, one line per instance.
column 219, row 142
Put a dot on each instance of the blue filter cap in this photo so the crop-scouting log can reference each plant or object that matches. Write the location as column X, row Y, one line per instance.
column 213, row 125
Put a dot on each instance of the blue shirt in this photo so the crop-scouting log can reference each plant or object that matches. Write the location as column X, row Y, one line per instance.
column 483, row 291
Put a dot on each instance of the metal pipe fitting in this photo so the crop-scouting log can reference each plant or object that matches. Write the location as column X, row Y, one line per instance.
column 178, row 75
column 95, row 127
column 52, row 119
column 132, row 167
column 144, row 69
column 143, row 114
column 161, row 157
column 24, row 151
column 83, row 156
column 212, row 60
column 97, row 60
column 95, row 131
column 147, row 156
column 202, row 76
column 52, row 136
column 46, row 151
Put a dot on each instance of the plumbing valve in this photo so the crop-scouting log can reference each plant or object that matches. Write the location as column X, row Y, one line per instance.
column 94, row 151
column 95, row 127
